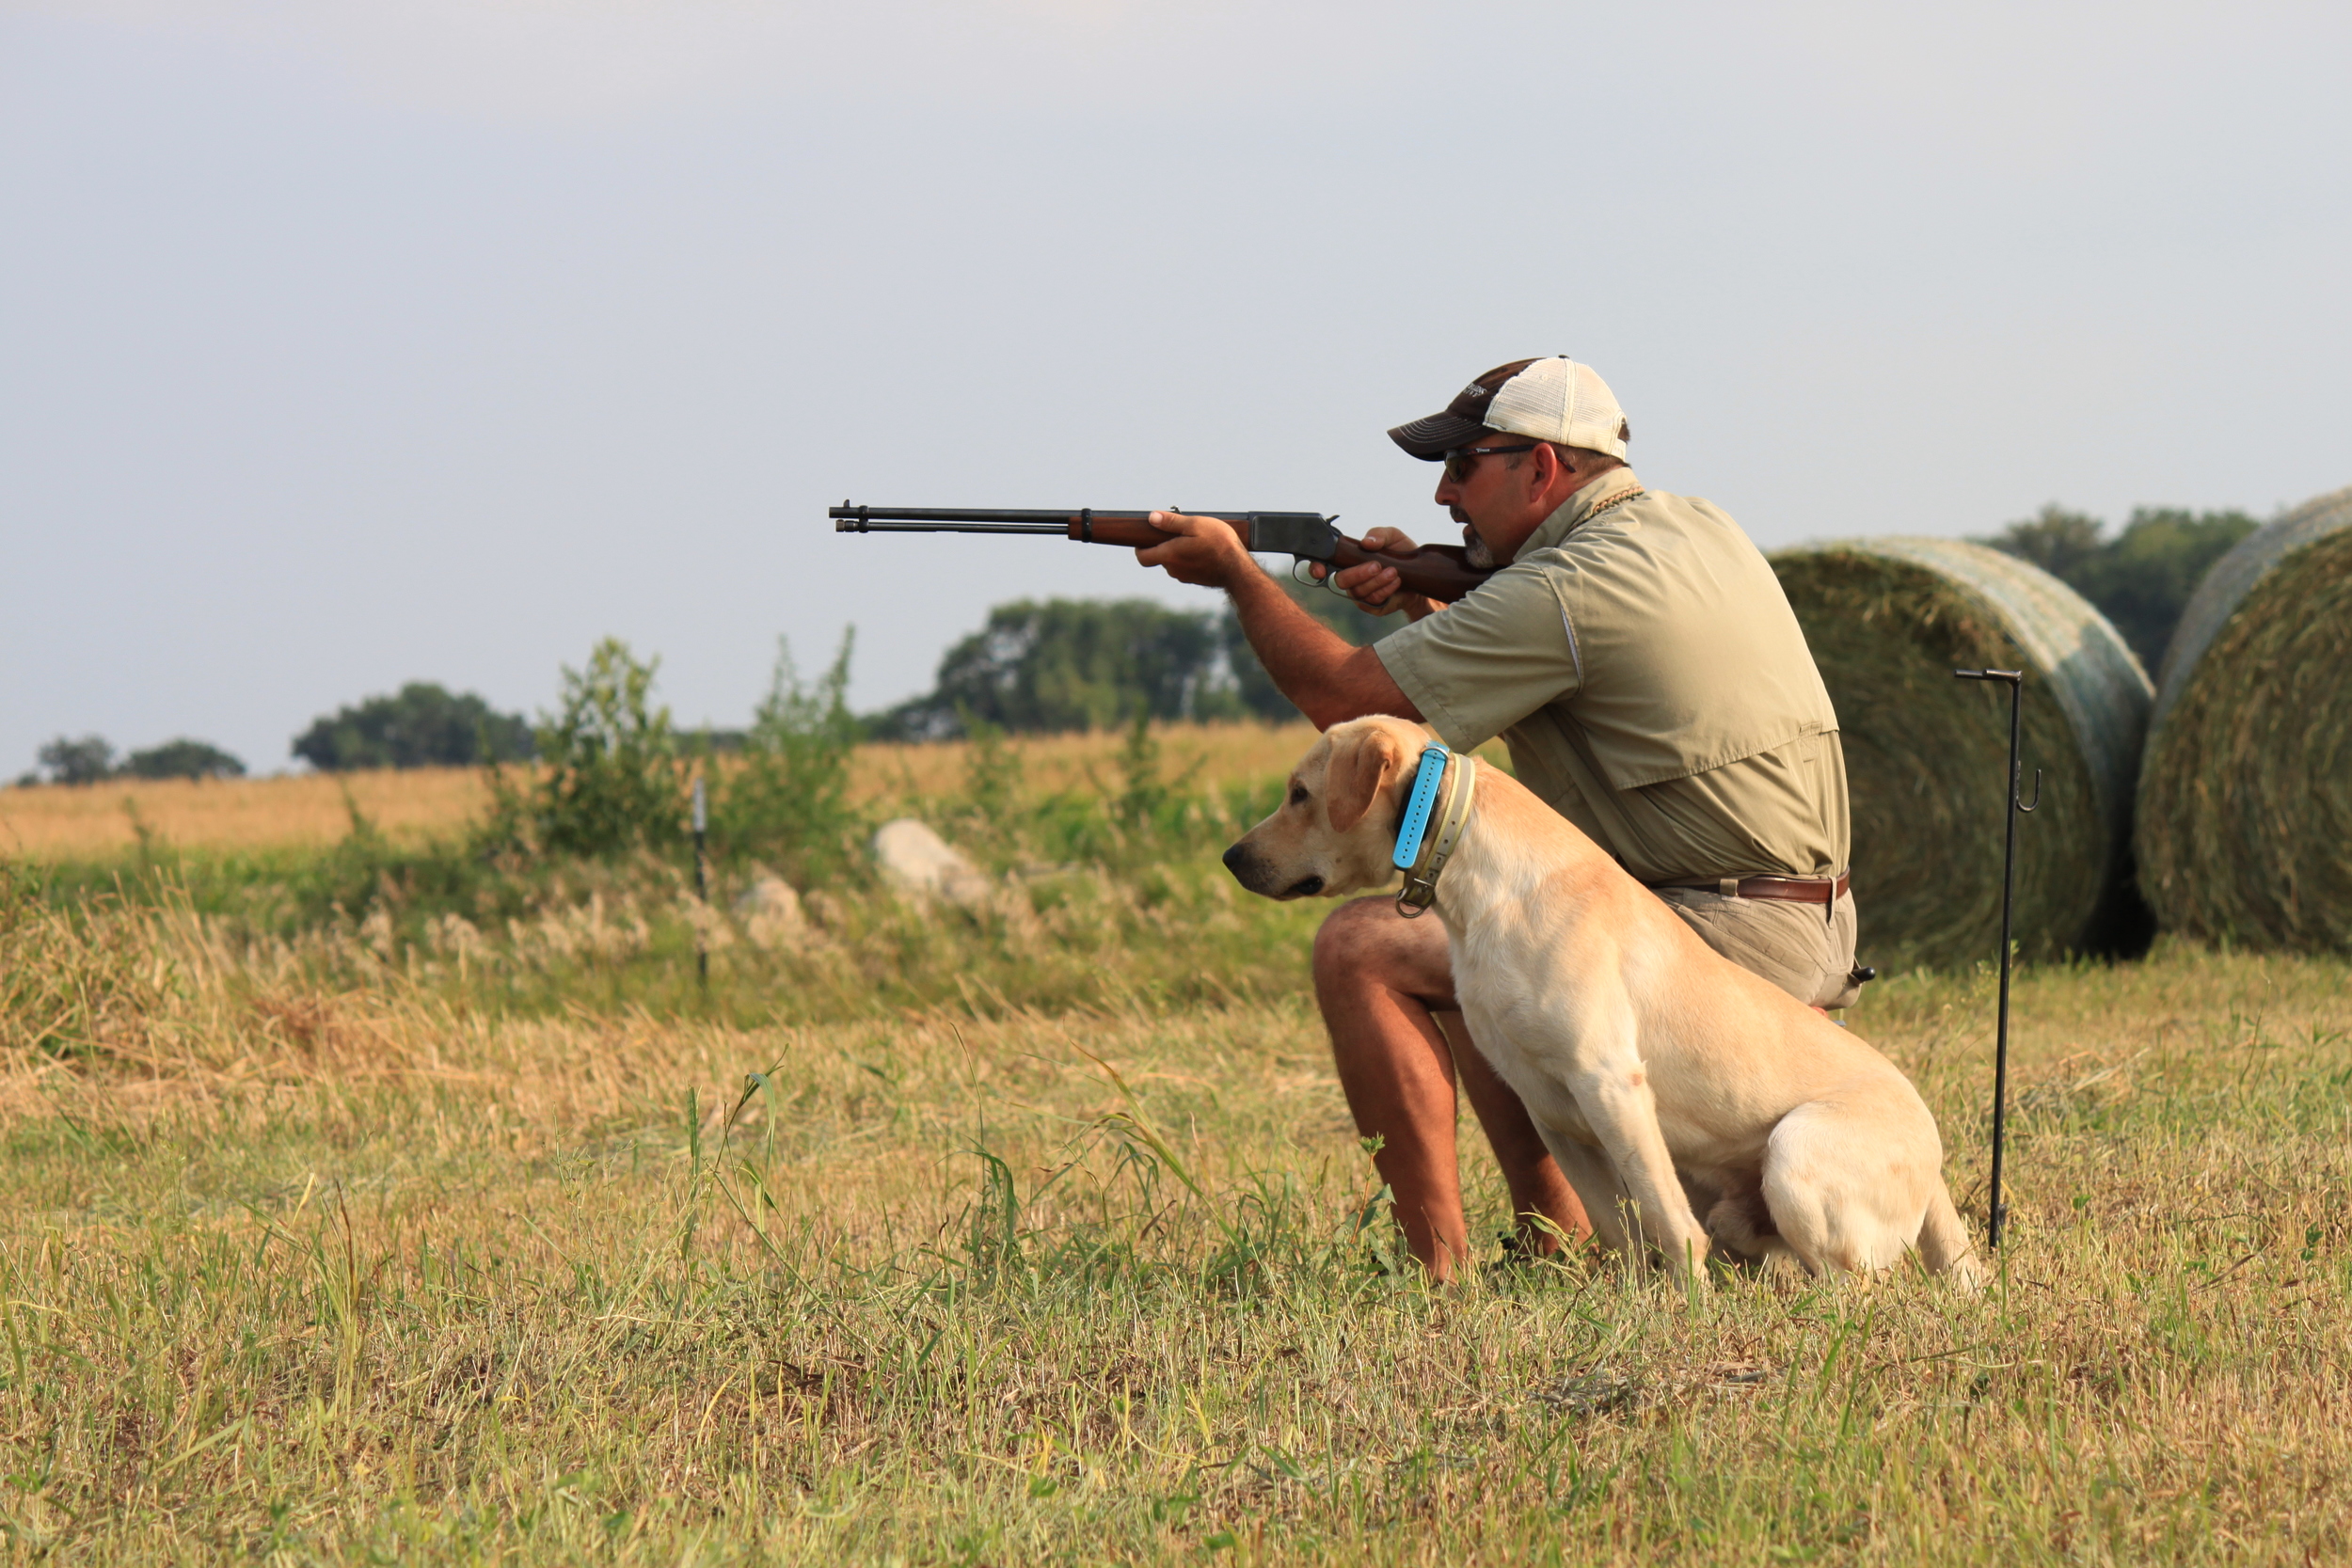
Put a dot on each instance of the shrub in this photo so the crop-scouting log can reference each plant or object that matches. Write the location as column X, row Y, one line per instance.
column 787, row 802
column 612, row 778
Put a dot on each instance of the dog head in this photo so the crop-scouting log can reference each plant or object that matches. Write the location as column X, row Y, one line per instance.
column 1336, row 828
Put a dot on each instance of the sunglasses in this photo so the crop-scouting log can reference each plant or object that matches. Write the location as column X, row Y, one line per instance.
column 1460, row 461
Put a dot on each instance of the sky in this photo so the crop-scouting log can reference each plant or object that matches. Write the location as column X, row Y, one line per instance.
column 350, row 342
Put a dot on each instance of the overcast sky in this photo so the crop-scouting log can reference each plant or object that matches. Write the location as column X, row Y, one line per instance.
column 348, row 343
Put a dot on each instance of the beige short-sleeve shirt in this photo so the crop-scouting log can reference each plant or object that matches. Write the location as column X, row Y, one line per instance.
column 1641, row 661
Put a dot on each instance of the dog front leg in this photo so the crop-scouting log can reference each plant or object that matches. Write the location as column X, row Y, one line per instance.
column 1623, row 1113
column 1594, row 1176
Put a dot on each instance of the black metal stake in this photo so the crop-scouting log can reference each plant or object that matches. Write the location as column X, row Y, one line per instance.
column 2015, row 807
column 701, row 882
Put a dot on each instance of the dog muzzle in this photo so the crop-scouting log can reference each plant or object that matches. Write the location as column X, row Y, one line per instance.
column 1422, row 848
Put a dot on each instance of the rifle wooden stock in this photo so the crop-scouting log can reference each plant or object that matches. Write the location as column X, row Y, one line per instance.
column 1440, row 572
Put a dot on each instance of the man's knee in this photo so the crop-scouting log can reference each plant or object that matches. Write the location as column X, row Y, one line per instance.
column 1367, row 942
column 1350, row 937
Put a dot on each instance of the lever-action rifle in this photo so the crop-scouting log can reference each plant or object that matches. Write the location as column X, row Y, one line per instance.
column 1433, row 571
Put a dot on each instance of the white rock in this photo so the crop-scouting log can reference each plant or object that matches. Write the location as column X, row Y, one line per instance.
column 920, row 864
column 770, row 911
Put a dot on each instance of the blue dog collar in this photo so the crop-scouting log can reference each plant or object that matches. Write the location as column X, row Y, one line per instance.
column 1417, row 809
column 1423, row 848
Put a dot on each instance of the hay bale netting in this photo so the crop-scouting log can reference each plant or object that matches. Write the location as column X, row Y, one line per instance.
column 1889, row 619
column 2244, row 828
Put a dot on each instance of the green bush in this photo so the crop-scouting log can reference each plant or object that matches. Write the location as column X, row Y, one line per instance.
column 613, row 776
column 786, row 803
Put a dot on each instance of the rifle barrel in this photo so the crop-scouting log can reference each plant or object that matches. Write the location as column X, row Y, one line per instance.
column 861, row 524
column 1438, row 571
column 948, row 520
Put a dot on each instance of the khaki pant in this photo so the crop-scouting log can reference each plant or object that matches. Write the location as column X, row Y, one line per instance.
column 1805, row 949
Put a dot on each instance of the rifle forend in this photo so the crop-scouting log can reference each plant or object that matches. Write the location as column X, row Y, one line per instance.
column 1435, row 571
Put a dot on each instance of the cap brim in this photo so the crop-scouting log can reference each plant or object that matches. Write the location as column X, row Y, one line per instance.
column 1433, row 437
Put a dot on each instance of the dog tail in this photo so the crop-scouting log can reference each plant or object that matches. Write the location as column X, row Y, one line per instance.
column 1944, row 1244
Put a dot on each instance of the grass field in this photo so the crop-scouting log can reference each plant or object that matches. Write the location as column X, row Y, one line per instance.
column 322, row 1249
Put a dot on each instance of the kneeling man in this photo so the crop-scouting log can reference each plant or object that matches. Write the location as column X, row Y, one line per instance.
column 1636, row 654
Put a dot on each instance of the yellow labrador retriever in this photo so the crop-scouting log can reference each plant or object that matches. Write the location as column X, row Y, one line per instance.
column 1665, row 1078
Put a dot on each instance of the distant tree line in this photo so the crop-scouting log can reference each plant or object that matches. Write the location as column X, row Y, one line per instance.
column 2141, row 578
column 1089, row 664
column 422, row 726
column 89, row 759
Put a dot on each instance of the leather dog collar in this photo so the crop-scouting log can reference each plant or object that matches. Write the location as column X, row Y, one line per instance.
column 1421, row 854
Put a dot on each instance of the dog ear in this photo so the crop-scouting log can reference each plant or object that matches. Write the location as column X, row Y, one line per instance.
column 1361, row 767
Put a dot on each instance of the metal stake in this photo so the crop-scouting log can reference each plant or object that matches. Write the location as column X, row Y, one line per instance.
column 702, row 881
column 2015, row 680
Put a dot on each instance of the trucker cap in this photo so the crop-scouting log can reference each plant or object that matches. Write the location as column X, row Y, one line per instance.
column 1551, row 399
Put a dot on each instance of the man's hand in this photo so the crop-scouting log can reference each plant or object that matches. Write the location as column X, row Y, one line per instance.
column 1376, row 588
column 1208, row 555
column 1308, row 660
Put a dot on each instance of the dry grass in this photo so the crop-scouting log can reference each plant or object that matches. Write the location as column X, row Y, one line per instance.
column 1214, row 755
column 335, row 1276
column 99, row 822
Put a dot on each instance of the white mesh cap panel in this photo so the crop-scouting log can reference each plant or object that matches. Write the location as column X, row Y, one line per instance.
column 1559, row 400
column 1537, row 402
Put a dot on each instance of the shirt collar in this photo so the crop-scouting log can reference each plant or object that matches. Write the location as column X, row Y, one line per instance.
column 1576, row 510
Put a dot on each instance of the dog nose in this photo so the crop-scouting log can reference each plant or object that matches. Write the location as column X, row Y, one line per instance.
column 1232, row 859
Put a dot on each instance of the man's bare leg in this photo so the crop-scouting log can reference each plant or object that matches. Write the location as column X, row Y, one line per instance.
column 1383, row 982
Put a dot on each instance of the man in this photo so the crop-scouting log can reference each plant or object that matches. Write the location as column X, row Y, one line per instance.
column 1637, row 655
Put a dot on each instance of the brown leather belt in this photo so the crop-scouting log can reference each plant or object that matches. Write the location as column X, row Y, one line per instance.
column 1794, row 890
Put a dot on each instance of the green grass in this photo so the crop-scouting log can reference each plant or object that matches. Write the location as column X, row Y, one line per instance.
column 316, row 1254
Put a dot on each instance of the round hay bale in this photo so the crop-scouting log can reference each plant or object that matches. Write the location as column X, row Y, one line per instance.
column 2244, row 828
column 1889, row 619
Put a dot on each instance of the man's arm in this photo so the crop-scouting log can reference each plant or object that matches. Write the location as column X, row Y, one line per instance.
column 1309, row 663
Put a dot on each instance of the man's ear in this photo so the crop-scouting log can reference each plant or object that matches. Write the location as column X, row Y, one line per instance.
column 1361, row 767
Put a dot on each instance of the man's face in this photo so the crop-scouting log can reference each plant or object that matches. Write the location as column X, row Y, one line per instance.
column 1490, row 497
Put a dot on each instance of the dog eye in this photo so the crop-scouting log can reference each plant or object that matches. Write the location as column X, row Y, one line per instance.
column 1298, row 795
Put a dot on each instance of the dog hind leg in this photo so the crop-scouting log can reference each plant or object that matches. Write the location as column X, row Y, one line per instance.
column 1944, row 1244
column 1847, row 1193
